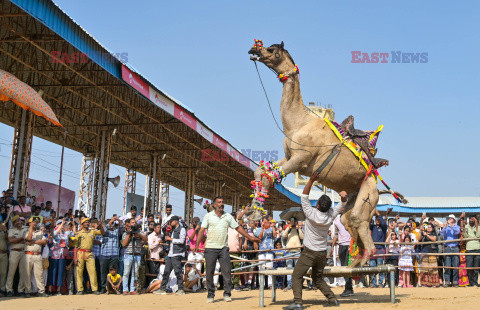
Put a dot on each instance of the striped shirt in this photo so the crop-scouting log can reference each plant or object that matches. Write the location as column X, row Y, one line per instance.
column 110, row 243
column 217, row 235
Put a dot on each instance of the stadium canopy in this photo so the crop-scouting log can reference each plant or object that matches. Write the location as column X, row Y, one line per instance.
column 92, row 92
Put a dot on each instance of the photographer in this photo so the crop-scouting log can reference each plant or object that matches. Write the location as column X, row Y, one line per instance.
column 175, row 255
column 132, row 241
column 294, row 238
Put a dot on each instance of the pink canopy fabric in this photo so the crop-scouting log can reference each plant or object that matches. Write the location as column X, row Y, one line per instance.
column 12, row 89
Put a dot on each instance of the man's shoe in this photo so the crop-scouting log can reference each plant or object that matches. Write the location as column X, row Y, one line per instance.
column 160, row 292
column 227, row 298
column 80, row 293
column 294, row 306
column 209, row 300
column 346, row 293
column 134, row 293
column 333, row 303
column 180, row 292
column 45, row 295
column 447, row 284
column 96, row 293
column 9, row 294
column 26, row 295
column 455, row 284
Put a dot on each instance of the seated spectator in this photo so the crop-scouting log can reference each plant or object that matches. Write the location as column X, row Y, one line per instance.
column 114, row 281
column 192, row 278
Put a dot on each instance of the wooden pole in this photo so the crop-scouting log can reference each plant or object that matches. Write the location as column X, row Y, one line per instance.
column 61, row 172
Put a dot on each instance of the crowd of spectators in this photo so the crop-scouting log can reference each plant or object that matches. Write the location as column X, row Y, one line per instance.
column 45, row 254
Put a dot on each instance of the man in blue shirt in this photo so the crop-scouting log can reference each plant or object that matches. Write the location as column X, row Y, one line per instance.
column 379, row 234
column 451, row 232
column 110, row 250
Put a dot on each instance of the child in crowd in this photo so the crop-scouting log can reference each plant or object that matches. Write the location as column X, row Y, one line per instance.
column 114, row 281
column 191, row 278
column 405, row 262
column 279, row 253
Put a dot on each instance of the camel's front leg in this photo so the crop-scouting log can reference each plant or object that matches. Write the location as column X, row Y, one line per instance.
column 262, row 185
column 359, row 219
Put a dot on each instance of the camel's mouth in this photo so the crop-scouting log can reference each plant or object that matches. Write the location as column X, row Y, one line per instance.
column 256, row 50
column 256, row 54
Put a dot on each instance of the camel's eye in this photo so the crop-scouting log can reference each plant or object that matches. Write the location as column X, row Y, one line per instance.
column 270, row 49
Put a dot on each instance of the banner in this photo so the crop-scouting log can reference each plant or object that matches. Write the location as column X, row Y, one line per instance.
column 135, row 81
column 134, row 200
column 45, row 191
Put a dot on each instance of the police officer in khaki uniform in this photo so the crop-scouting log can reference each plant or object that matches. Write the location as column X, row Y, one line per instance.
column 34, row 240
column 16, row 238
column 3, row 257
column 84, row 256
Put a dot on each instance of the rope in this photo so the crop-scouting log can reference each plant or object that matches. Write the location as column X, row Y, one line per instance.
column 275, row 119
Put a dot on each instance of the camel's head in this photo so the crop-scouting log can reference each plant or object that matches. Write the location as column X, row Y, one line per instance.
column 276, row 57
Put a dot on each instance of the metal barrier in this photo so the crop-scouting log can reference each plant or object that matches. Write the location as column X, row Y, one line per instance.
column 328, row 272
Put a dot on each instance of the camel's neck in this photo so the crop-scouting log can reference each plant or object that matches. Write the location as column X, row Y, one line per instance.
column 292, row 108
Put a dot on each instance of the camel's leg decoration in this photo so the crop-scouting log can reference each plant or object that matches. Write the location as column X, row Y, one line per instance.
column 267, row 174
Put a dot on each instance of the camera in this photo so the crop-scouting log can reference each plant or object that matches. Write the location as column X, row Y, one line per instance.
column 135, row 229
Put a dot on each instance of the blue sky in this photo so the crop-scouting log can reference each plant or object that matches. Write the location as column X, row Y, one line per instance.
column 197, row 52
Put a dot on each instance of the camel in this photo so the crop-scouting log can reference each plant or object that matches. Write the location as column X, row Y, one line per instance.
column 307, row 144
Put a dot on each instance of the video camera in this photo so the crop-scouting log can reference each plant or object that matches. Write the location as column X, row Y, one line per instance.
column 135, row 229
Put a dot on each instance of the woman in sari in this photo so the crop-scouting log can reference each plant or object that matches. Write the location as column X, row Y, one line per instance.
column 428, row 271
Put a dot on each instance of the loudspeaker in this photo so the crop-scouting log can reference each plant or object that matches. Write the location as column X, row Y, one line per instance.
column 115, row 181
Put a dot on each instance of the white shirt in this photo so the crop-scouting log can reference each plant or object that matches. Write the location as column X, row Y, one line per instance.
column 317, row 224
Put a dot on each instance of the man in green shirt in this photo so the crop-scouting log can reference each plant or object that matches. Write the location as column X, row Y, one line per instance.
column 473, row 246
column 217, row 223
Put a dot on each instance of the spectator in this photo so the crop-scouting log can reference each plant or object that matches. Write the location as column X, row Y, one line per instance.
column 192, row 278
column 379, row 234
column 405, row 262
column 70, row 268
column 293, row 237
column 250, row 246
column 21, row 209
column 393, row 250
column 36, row 214
column 279, row 254
column 48, row 208
column 131, row 215
column 33, row 249
column 343, row 238
column 109, row 250
column 216, row 246
column 167, row 216
column 59, row 252
column 16, row 238
column 175, row 256
column 267, row 235
column 132, row 241
column 192, row 235
column 155, row 245
column 114, row 281
column 428, row 272
column 451, row 232
column 85, row 238
column 235, row 246
column 97, row 251
column 472, row 246
column 3, row 257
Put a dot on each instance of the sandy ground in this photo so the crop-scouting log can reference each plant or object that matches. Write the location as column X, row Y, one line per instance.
column 366, row 298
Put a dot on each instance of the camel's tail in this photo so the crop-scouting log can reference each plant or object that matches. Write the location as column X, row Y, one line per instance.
column 383, row 192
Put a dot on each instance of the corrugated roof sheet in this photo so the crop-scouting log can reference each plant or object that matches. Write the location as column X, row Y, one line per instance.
column 415, row 205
